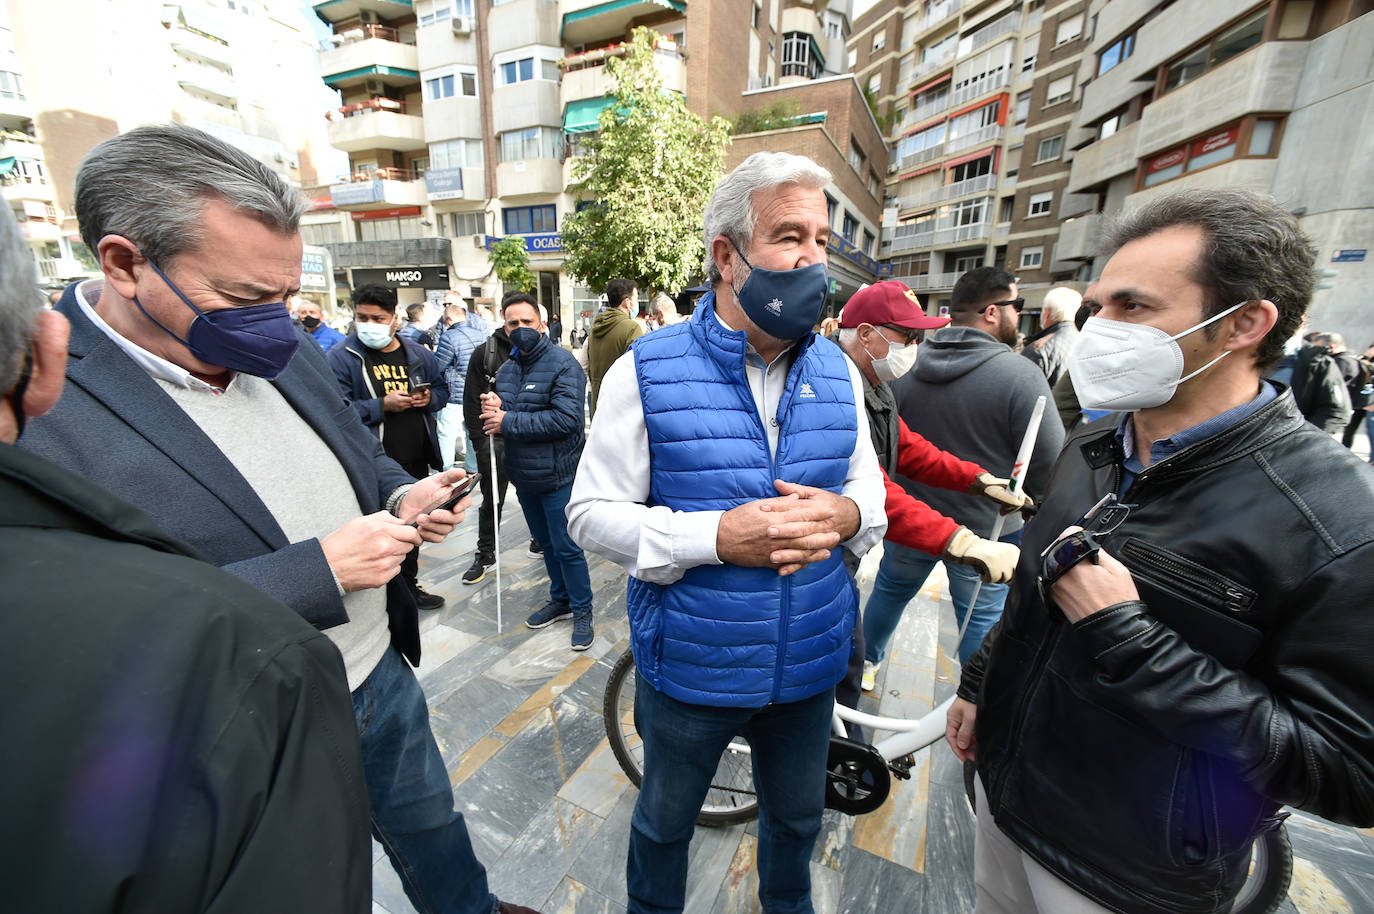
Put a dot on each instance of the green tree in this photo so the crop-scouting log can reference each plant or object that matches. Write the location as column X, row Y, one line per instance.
column 648, row 173
column 512, row 264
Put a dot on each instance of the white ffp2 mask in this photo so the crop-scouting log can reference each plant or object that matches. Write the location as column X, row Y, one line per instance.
column 1122, row 366
column 900, row 358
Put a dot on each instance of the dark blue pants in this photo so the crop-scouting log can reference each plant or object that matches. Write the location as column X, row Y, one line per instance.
column 570, row 583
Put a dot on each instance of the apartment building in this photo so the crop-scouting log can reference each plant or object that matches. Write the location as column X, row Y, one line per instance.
column 972, row 93
column 92, row 71
column 462, row 118
column 1274, row 96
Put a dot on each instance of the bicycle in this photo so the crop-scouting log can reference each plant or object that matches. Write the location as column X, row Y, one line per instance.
column 859, row 778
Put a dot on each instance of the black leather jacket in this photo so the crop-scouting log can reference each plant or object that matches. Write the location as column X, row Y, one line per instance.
column 1137, row 754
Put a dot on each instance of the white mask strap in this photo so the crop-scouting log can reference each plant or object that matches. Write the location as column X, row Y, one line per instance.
column 1212, row 319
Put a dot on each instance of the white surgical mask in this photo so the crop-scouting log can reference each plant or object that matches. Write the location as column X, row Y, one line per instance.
column 1123, row 367
column 375, row 336
column 900, row 359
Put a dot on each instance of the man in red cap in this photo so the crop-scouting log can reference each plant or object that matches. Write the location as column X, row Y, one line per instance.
column 880, row 328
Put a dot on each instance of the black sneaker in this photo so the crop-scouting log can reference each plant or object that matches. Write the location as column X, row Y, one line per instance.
column 478, row 571
column 534, row 551
column 426, row 600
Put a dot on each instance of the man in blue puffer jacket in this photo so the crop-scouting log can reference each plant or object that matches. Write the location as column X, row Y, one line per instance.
column 537, row 410
column 729, row 460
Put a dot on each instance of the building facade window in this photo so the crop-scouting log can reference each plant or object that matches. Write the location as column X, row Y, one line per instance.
column 1258, row 136
column 856, row 157
column 966, row 262
column 1041, row 204
column 1059, row 90
column 391, row 229
column 850, row 227
column 875, row 83
column 974, row 169
column 1028, row 64
column 800, row 56
column 941, row 51
column 829, row 210
column 455, row 154
column 1022, row 110
column 1115, row 53
column 879, row 41
column 925, row 139
column 464, row 224
column 531, row 143
column 1227, row 44
column 1049, row 149
column 1005, row 209
column 516, row 71
column 868, row 243
column 322, row 233
column 1032, row 257
column 530, row 220
column 1068, row 30
column 440, row 87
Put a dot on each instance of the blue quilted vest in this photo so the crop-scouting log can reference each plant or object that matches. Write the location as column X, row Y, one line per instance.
column 723, row 635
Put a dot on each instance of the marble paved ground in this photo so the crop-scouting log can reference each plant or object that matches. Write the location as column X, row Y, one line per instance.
column 518, row 717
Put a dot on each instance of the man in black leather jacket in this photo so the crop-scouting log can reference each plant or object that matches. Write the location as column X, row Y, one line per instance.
column 1140, row 720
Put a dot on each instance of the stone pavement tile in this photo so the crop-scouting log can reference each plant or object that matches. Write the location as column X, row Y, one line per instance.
column 544, row 697
column 498, row 804
column 572, row 897
column 529, row 666
column 589, row 689
column 439, row 644
column 835, row 839
column 554, row 744
column 601, row 866
column 872, row 885
column 950, row 834
column 1329, row 890
column 896, row 831
column 598, row 784
column 1328, row 845
column 530, row 870
column 442, row 681
column 387, row 891
column 469, row 712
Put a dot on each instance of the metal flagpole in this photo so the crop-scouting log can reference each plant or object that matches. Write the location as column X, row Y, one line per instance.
column 1018, row 473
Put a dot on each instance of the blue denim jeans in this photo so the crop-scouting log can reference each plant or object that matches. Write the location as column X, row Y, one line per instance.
column 901, row 574
column 682, row 745
column 410, row 796
column 570, row 583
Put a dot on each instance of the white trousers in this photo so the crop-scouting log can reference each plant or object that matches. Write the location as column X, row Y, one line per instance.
column 1009, row 881
column 452, row 434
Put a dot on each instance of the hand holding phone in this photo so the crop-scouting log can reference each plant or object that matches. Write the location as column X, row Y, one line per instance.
column 447, row 499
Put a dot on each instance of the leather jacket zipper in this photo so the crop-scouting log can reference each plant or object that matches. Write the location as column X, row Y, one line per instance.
column 1208, row 587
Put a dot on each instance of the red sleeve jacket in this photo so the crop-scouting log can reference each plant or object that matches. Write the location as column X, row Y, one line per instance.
column 911, row 522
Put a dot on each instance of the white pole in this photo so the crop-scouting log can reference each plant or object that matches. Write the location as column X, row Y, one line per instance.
column 496, row 526
column 1018, row 474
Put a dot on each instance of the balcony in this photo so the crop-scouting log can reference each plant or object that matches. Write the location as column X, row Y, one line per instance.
column 584, row 75
column 929, row 154
column 978, row 185
column 1264, row 78
column 937, row 14
column 531, row 103
column 593, row 21
column 927, row 110
column 929, row 282
column 994, row 30
column 201, row 48
column 385, row 188
column 206, row 82
column 18, row 187
column 913, row 236
column 413, row 252
column 1079, row 237
column 984, row 84
column 61, row 268
column 930, row 66
column 529, row 178
column 1097, row 163
column 378, row 123
column 343, row 10
column 15, row 110
column 920, row 200
column 521, row 23
column 987, row 134
column 369, row 52
column 960, row 233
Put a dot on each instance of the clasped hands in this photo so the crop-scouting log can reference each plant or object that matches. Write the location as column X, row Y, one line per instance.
column 788, row 532
column 492, row 413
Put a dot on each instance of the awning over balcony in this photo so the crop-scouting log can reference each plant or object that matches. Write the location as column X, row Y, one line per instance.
column 392, row 76
column 7, row 164
column 584, row 116
column 610, row 19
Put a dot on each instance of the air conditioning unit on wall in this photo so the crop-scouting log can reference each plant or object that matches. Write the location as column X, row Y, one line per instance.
column 369, row 17
column 374, row 86
column 462, row 25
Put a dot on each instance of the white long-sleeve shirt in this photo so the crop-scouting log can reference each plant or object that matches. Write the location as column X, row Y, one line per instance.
column 607, row 513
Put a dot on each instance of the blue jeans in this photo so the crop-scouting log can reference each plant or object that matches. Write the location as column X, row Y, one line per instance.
column 1369, row 432
column 569, row 581
column 410, row 796
column 901, row 574
column 682, row 745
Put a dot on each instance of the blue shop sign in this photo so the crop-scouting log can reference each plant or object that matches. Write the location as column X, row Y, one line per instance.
column 851, row 253
column 535, row 244
column 1349, row 255
column 356, row 192
column 444, row 183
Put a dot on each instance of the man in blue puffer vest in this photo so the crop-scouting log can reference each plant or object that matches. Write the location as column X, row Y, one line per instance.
column 728, row 461
column 537, row 409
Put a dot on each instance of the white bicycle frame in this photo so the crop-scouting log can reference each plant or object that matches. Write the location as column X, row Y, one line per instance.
column 909, row 734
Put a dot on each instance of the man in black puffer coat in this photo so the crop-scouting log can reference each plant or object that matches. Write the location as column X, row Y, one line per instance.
column 1157, row 691
column 537, row 409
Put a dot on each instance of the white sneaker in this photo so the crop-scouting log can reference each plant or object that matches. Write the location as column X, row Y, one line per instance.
column 870, row 676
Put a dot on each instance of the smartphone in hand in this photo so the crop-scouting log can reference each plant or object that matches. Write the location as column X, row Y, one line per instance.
column 448, row 499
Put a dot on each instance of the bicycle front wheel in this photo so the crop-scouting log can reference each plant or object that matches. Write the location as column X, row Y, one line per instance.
column 730, row 800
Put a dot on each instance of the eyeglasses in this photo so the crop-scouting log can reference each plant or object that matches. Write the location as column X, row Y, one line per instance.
column 1098, row 522
column 910, row 335
column 1017, row 303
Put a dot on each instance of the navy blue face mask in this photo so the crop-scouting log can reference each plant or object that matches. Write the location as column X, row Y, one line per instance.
column 524, row 339
column 255, row 339
column 785, row 304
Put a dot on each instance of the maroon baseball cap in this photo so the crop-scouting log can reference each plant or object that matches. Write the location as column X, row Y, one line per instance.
column 889, row 302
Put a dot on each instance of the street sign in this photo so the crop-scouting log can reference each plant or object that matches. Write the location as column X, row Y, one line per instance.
column 1349, row 255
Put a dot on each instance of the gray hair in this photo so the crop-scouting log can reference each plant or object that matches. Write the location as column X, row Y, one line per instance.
column 151, row 183
column 20, row 300
column 731, row 210
column 1252, row 249
column 848, row 333
column 1060, row 304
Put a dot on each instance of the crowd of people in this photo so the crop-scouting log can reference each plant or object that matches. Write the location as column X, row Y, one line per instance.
column 1166, row 648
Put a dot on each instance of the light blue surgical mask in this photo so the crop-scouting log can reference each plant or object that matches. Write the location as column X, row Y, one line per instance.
column 375, row 336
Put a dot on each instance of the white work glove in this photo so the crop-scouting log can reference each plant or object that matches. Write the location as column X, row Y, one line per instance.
column 994, row 561
column 999, row 490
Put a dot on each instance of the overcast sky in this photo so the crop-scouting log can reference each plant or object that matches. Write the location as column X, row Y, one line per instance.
column 861, row 7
